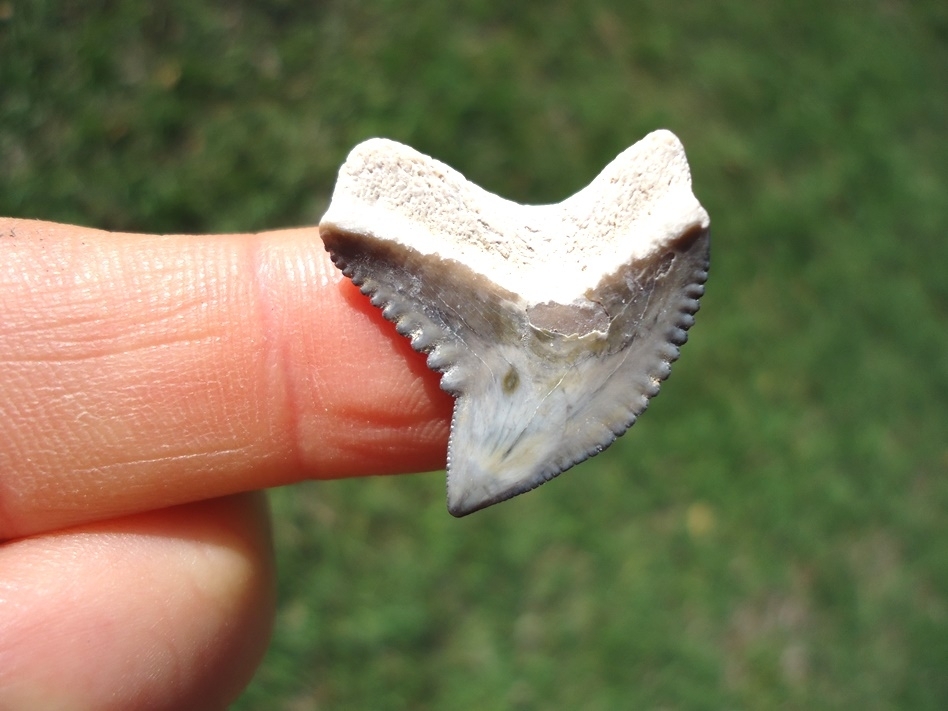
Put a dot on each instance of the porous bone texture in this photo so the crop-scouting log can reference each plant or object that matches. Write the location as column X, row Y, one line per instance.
column 640, row 202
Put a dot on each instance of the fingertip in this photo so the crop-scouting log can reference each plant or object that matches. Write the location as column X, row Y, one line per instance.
column 166, row 610
column 360, row 400
column 147, row 371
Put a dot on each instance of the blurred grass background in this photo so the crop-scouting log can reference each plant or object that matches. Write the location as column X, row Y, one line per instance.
column 772, row 534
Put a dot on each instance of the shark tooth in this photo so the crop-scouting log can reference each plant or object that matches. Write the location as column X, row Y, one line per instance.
column 552, row 325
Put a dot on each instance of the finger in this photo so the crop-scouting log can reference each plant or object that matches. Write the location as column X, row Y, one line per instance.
column 163, row 610
column 145, row 371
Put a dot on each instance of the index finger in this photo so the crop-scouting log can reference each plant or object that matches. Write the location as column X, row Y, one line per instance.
column 143, row 371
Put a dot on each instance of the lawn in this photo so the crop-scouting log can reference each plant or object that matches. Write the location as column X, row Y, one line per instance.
column 773, row 533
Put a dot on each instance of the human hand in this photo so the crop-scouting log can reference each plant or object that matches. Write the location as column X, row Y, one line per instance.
column 145, row 382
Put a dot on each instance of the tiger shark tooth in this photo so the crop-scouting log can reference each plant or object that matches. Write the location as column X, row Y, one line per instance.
column 552, row 325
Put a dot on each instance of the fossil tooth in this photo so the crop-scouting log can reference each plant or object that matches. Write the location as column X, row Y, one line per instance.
column 552, row 325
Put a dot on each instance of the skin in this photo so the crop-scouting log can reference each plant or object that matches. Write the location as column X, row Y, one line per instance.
column 150, row 386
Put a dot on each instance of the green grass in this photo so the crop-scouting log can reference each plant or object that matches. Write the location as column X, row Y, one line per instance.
column 774, row 532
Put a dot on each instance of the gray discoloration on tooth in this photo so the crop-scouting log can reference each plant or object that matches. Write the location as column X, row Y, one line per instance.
column 552, row 325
